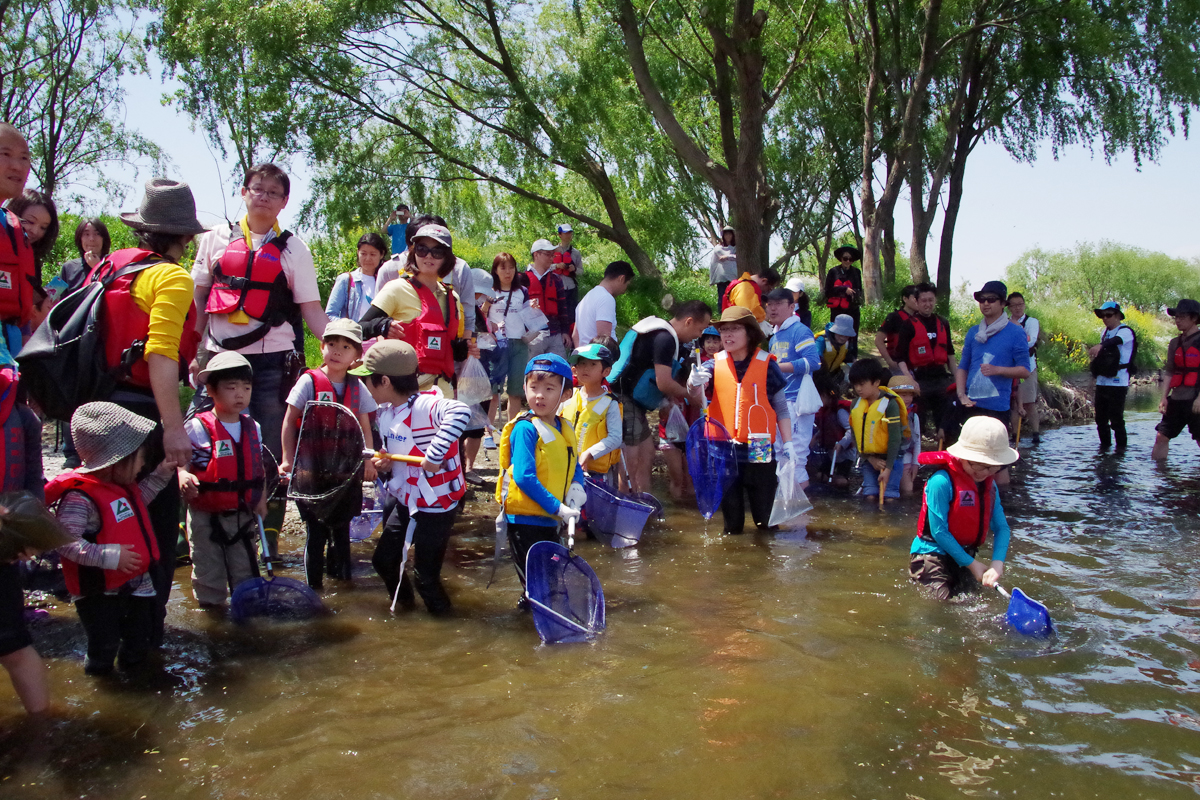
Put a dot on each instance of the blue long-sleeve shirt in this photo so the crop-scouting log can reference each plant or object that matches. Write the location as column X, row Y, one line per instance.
column 793, row 343
column 939, row 491
column 523, row 448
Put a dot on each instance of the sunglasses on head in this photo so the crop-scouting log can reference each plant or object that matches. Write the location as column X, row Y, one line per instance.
column 437, row 251
column 989, row 299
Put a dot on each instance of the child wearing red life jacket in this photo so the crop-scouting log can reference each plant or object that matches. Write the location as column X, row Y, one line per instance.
column 961, row 506
column 423, row 499
column 223, row 483
column 107, row 570
column 329, row 526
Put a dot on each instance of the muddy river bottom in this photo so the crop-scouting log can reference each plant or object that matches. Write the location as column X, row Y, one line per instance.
column 801, row 663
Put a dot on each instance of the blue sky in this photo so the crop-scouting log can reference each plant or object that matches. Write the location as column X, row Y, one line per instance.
column 1008, row 207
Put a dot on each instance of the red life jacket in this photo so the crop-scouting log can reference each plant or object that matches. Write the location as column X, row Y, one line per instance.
column 252, row 281
column 126, row 326
column 923, row 353
column 324, row 391
column 415, row 418
column 726, row 302
column 968, row 517
column 891, row 341
column 12, row 449
column 563, row 263
column 545, row 291
column 431, row 332
column 1186, row 364
column 827, row 427
column 233, row 478
column 840, row 301
column 17, row 271
column 123, row 520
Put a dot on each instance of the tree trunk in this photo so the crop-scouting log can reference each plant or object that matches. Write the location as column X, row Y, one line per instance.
column 950, row 219
column 889, row 250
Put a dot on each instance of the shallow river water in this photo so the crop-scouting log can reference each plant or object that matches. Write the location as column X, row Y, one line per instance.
column 788, row 665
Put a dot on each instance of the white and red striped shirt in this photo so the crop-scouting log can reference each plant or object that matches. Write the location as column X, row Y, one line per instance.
column 427, row 425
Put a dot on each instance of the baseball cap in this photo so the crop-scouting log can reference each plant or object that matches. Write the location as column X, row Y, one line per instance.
column 541, row 244
column 993, row 287
column 391, row 357
column 552, row 363
column 226, row 359
column 565, row 228
column 346, row 328
column 439, row 233
column 593, row 352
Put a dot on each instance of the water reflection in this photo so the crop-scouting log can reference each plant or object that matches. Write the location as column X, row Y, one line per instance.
column 754, row 666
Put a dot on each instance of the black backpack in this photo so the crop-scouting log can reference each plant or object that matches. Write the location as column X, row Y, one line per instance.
column 63, row 365
column 1107, row 363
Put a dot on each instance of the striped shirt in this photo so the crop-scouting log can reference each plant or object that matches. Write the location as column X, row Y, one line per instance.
column 431, row 425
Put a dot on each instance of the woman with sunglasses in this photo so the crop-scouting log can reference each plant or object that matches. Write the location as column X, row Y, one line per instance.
column 422, row 310
column 843, row 286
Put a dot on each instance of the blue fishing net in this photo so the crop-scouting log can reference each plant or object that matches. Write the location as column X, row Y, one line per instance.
column 275, row 598
column 1028, row 616
column 564, row 593
column 712, row 463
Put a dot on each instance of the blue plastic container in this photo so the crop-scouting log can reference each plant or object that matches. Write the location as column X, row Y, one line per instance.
column 616, row 520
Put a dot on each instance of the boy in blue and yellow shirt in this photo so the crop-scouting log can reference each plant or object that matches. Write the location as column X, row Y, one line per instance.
column 541, row 480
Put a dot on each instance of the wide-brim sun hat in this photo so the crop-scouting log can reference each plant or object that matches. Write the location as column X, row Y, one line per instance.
column 439, row 233
column 855, row 253
column 552, row 363
column 593, row 352
column 104, row 433
column 992, row 287
column 843, row 325
column 1185, row 307
column 483, row 282
column 167, row 207
column 226, row 359
column 985, row 441
column 1109, row 306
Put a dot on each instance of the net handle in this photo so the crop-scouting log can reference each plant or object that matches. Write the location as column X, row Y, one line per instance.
column 393, row 457
column 266, row 547
column 559, row 616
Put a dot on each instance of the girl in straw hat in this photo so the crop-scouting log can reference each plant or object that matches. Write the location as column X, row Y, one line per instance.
column 961, row 506
column 107, row 569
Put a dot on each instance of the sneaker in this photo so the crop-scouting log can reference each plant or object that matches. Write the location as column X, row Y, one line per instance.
column 473, row 478
column 489, row 443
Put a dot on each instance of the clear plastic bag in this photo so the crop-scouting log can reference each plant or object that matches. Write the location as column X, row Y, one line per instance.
column 474, row 384
column 790, row 499
column 485, row 341
column 677, row 427
column 534, row 319
column 982, row 386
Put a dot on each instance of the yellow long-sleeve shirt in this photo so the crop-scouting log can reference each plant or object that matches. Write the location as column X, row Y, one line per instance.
column 744, row 295
column 164, row 291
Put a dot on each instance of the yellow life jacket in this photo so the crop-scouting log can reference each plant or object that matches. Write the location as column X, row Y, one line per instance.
column 555, row 459
column 870, row 424
column 834, row 355
column 591, row 425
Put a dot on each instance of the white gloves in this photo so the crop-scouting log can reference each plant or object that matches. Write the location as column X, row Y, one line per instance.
column 576, row 497
column 790, row 449
column 567, row 513
column 700, row 376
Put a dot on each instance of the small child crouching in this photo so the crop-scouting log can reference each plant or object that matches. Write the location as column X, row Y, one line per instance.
column 329, row 526
column 961, row 506
column 541, row 480
column 223, row 484
column 879, row 422
column 423, row 500
column 107, row 569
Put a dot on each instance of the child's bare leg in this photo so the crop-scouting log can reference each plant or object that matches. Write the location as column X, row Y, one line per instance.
column 494, row 409
column 675, row 471
column 470, row 452
column 28, row 675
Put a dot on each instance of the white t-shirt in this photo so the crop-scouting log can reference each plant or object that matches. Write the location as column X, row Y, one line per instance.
column 1032, row 330
column 1126, row 349
column 301, row 275
column 596, row 306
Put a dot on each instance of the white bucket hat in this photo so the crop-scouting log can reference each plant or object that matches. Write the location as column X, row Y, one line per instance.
column 105, row 433
column 226, row 359
column 985, row 440
column 843, row 325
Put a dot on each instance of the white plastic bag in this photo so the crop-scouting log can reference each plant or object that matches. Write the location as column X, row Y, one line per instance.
column 790, row 499
column 981, row 385
column 677, row 427
column 534, row 319
column 474, row 385
column 485, row 341
column 808, row 401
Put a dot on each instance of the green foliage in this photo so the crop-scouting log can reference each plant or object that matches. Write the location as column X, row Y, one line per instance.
column 64, row 247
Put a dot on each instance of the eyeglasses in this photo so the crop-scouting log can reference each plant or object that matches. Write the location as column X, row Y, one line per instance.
column 258, row 191
column 989, row 299
column 437, row 251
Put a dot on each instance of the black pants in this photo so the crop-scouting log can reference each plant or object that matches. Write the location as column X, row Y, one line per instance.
column 328, row 527
column 721, row 287
column 164, row 509
column 758, row 482
column 523, row 537
column 935, row 400
column 1110, row 414
column 431, row 538
column 119, row 627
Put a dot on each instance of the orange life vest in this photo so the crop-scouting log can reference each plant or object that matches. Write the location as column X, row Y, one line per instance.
column 970, row 511
column 545, row 291
column 233, row 478
column 12, row 449
column 923, row 352
column 733, row 399
column 124, row 520
column 252, row 281
column 18, row 270
column 891, row 341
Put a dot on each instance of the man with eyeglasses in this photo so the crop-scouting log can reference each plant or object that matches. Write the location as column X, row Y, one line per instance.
column 255, row 284
column 1118, row 344
column 995, row 353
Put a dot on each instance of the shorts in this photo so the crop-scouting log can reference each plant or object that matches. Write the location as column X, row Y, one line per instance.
column 14, row 635
column 1179, row 416
column 1027, row 391
column 518, row 356
column 942, row 575
column 635, row 429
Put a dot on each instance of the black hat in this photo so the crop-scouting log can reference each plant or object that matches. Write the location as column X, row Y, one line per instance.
column 854, row 253
column 993, row 287
column 1185, row 307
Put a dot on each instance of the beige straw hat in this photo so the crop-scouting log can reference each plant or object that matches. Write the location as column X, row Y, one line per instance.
column 105, row 433
column 984, row 440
